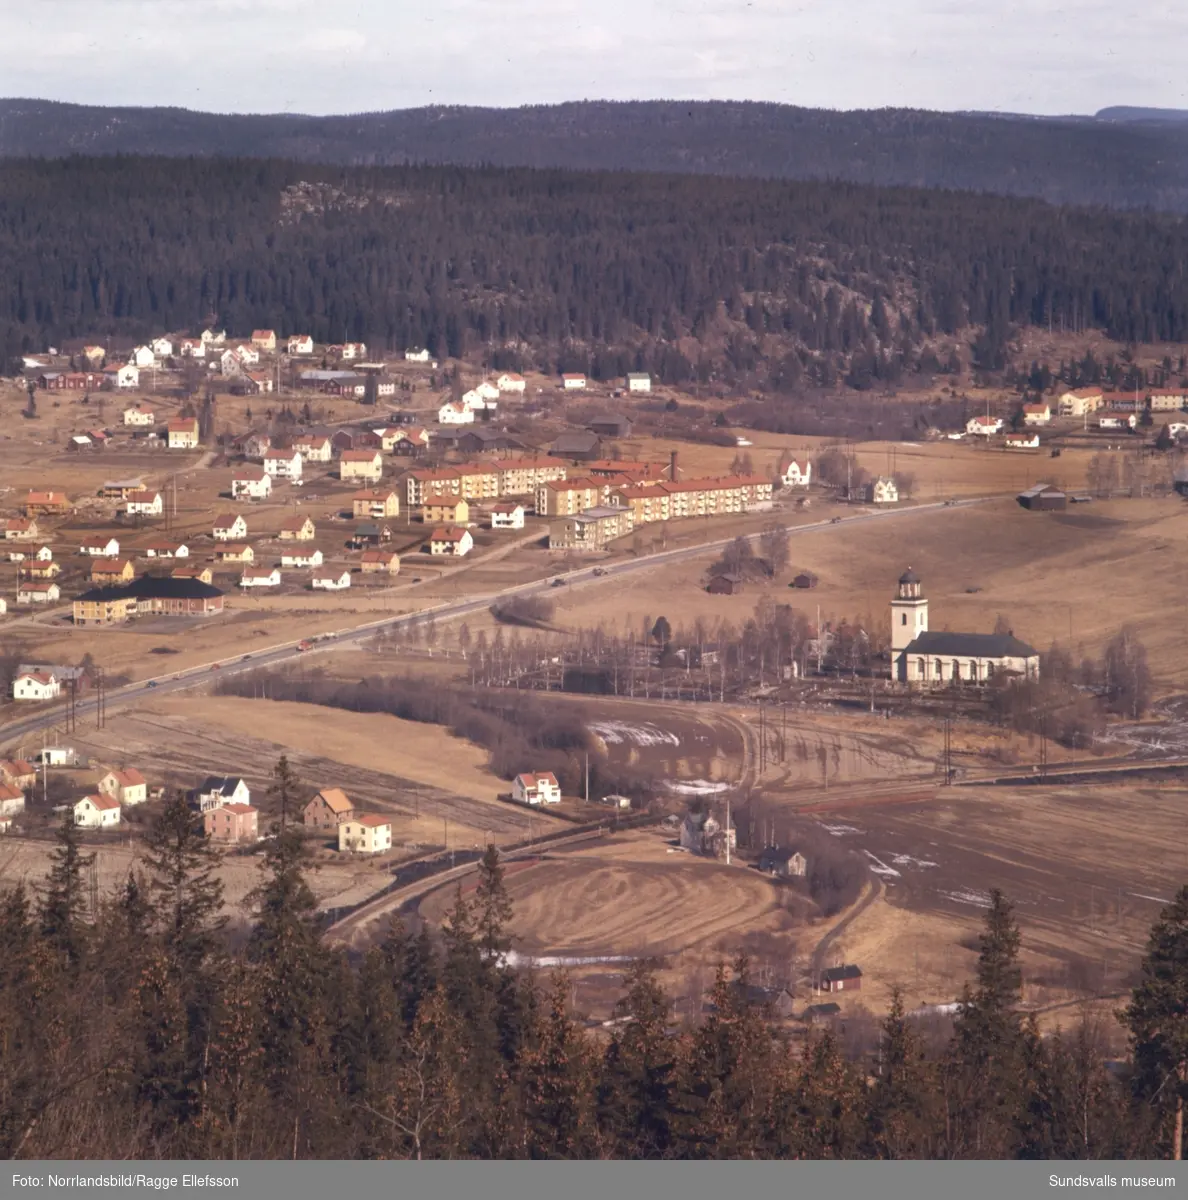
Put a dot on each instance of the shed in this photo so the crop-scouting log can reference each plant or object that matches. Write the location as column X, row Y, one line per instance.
column 806, row 579
column 1043, row 497
column 725, row 585
column 847, row 978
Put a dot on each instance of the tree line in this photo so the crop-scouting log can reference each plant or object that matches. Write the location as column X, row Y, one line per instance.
column 137, row 1026
column 787, row 285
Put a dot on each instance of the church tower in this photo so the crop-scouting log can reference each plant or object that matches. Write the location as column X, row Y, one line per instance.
column 909, row 619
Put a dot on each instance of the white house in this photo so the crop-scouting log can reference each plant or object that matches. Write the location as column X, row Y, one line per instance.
column 230, row 527
column 417, row 355
column 100, row 547
column 265, row 577
column 1117, row 421
column 145, row 503
column 301, row 344
column 252, row 484
column 162, row 347
column 301, row 558
column 367, row 833
column 1022, row 441
column 983, row 426
column 3, row 606
column 143, row 356
column 536, row 789
column 29, row 592
column 638, row 381
column 883, row 491
column 97, row 812
column 507, row 515
column 139, row 416
column 573, row 382
column 283, row 464
column 331, row 581
column 35, row 686
column 216, row 790
column 12, row 800
column 455, row 412
column 127, row 376
column 314, row 449
column 509, row 381
column 794, row 472
column 451, row 540
column 230, row 363
column 248, row 356
column 211, row 338
column 1037, row 414
column 192, row 348
column 473, row 400
column 165, row 549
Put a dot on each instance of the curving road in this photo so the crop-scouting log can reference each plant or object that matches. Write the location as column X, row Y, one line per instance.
column 24, row 726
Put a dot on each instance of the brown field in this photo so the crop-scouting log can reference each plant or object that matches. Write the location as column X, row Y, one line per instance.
column 419, row 774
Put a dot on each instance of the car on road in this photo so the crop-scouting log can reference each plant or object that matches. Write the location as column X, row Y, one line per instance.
column 245, row 658
column 558, row 582
column 598, row 571
column 151, row 683
column 214, row 666
column 835, row 521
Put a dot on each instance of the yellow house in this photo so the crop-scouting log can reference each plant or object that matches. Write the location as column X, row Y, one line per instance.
column 375, row 503
column 112, row 570
column 446, row 512
column 298, row 529
column 236, row 552
column 183, row 433
column 380, row 561
column 202, row 574
column 366, row 834
column 361, row 464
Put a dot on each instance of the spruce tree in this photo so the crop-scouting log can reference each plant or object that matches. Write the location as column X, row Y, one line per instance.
column 182, row 867
column 638, row 1085
column 901, row 1124
column 1157, row 1018
column 492, row 908
column 64, row 900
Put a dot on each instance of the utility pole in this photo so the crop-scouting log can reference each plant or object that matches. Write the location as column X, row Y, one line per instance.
column 587, row 777
column 728, row 831
column 948, row 753
column 100, row 699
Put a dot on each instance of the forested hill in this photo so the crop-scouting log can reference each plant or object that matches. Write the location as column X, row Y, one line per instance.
column 1115, row 161
column 773, row 283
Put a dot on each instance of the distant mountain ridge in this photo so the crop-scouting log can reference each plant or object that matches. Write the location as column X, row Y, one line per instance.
column 1114, row 159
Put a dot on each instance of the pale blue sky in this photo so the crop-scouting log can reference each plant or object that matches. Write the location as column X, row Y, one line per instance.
column 320, row 57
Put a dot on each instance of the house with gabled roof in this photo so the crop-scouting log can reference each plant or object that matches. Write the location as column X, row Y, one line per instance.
column 260, row 577
column 264, row 339
column 536, row 788
column 301, row 343
column 167, row 549
column 139, row 415
column 182, row 433
column 451, row 540
column 36, row 686
column 235, row 552
column 367, row 833
column 306, row 556
column 144, row 503
column 297, row 529
column 794, row 472
column 216, row 790
column 232, row 823
column 229, row 527
column 112, row 570
column 283, row 464
column 380, row 562
column 251, row 483
column 97, row 812
column 327, row 809
column 128, row 786
column 329, row 579
column 361, row 464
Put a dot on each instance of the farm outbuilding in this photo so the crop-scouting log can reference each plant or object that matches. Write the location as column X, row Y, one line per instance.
column 841, row 979
column 806, row 579
column 1043, row 497
column 725, row 585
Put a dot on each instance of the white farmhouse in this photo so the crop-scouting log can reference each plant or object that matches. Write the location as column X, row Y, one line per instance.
column 283, row 464
column 331, row 581
column 97, row 812
column 638, row 381
column 260, row 577
column 536, row 789
column 252, row 484
column 509, row 381
column 301, row 558
column 139, row 416
column 793, row 472
column 455, row 412
column 36, row 686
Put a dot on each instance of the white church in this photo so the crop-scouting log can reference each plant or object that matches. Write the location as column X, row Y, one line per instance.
column 922, row 657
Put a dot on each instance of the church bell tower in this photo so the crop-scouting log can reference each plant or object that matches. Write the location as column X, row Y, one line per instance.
column 909, row 619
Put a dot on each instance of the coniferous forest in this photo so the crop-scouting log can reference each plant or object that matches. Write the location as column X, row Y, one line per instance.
column 708, row 278
column 145, row 1025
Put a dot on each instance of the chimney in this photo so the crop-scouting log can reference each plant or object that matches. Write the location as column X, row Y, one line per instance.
column 672, row 468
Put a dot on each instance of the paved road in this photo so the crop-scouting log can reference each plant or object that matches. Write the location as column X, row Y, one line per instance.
column 23, row 727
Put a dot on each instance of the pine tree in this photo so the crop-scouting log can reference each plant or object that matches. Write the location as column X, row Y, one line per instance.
column 1157, row 1018
column 64, row 900
column 984, row 1080
column 558, row 1077
column 182, row 866
column 901, row 1125
column 284, row 789
column 492, row 908
column 638, row 1086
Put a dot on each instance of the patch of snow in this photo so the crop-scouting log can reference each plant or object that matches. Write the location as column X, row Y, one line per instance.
column 881, row 868
column 698, row 787
column 514, row 959
column 965, row 896
column 906, row 860
column 616, row 732
column 839, row 830
column 1157, row 899
column 931, row 1010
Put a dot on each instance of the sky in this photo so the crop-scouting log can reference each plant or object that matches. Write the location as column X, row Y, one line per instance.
column 336, row 56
